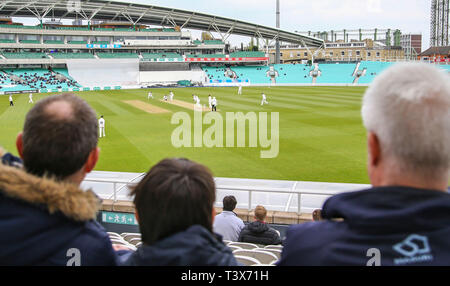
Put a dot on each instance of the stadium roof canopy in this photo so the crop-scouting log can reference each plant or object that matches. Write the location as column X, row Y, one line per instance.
column 147, row 14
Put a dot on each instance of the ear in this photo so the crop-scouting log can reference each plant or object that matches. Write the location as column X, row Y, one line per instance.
column 19, row 144
column 374, row 149
column 92, row 160
column 136, row 215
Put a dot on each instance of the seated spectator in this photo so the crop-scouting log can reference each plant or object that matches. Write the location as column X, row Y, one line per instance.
column 317, row 215
column 8, row 159
column 227, row 223
column 45, row 218
column 404, row 218
column 174, row 207
column 258, row 231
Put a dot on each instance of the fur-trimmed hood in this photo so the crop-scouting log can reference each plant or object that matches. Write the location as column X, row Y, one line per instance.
column 68, row 199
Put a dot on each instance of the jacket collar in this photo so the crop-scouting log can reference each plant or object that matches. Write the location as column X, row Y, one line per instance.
column 66, row 198
column 392, row 207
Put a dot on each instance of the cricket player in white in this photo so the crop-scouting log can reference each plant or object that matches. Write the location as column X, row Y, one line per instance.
column 101, row 127
column 240, row 89
column 11, row 103
column 31, row 98
column 209, row 101
column 171, row 96
column 197, row 101
column 263, row 99
column 214, row 104
column 150, row 95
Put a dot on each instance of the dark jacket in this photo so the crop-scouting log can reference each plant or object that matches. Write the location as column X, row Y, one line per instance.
column 43, row 222
column 259, row 233
column 380, row 226
column 194, row 247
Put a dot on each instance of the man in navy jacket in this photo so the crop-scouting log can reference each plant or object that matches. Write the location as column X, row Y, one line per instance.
column 405, row 218
column 45, row 218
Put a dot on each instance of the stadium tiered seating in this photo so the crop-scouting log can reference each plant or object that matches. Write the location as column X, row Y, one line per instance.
column 373, row 69
column 54, row 42
column 78, row 42
column 7, row 41
column 216, row 73
column 207, row 56
column 25, row 55
column 71, row 28
column 117, row 55
column 30, row 41
column 7, row 85
column 162, row 56
column 213, row 42
column 290, row 73
column 100, row 43
column 41, row 79
column 336, row 73
column 247, row 54
column 72, row 56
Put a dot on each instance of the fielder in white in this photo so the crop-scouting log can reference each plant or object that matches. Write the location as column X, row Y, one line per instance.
column 240, row 89
column 101, row 127
column 171, row 96
column 150, row 95
column 214, row 104
column 264, row 99
column 30, row 98
column 209, row 101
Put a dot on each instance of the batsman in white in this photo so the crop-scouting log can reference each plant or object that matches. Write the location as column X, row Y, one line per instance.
column 101, row 127
column 171, row 95
column 30, row 98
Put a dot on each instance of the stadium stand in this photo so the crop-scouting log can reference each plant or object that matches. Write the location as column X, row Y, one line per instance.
column 247, row 54
column 24, row 55
column 372, row 70
column 117, row 55
column 336, row 73
column 161, row 56
column 27, row 79
column 72, row 55
column 207, row 56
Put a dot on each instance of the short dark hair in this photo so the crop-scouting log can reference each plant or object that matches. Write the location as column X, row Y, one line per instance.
column 229, row 203
column 174, row 195
column 55, row 145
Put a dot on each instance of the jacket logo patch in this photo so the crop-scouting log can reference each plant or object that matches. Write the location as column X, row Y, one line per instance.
column 415, row 248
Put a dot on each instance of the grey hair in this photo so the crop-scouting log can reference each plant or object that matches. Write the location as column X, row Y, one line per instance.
column 408, row 108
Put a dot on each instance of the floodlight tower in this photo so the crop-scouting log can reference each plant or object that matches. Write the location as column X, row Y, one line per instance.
column 439, row 23
column 277, row 52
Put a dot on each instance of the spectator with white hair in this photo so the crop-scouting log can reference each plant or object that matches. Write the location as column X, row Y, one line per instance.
column 404, row 219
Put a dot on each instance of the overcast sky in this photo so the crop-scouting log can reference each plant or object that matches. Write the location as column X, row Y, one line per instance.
column 410, row 16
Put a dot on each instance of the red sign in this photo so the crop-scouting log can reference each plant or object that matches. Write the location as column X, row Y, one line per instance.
column 258, row 59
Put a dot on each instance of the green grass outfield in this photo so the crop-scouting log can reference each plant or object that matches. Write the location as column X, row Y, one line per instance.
column 321, row 133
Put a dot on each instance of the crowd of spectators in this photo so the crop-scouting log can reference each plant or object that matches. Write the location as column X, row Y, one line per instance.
column 405, row 215
column 46, row 80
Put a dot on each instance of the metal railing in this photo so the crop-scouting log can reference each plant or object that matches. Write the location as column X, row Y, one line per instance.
column 292, row 190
